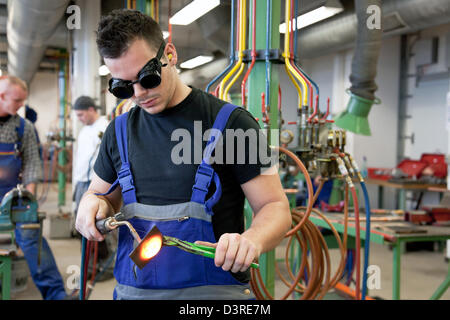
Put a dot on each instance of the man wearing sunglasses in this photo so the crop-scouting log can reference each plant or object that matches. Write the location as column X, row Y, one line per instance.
column 197, row 200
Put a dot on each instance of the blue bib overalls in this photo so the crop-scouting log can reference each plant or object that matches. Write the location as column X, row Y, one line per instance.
column 46, row 275
column 173, row 273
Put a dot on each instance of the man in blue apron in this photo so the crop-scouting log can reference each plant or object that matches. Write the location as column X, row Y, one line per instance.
column 20, row 163
column 155, row 154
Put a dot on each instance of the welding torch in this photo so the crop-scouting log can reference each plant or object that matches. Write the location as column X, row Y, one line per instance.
column 106, row 225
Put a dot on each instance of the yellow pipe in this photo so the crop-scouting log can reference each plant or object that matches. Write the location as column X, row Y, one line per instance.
column 286, row 56
column 152, row 13
column 296, row 86
column 241, row 69
column 242, row 40
column 117, row 111
column 222, row 92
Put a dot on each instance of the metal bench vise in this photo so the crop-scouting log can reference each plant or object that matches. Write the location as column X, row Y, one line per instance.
column 20, row 206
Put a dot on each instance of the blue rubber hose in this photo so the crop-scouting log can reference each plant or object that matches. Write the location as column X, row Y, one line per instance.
column 267, row 53
column 232, row 57
column 367, row 241
column 351, row 267
column 83, row 253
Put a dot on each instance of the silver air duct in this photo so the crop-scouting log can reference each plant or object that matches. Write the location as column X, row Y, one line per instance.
column 31, row 23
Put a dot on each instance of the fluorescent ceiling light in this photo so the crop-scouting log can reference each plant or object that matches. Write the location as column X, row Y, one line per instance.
column 103, row 70
column 195, row 62
column 165, row 34
column 193, row 11
column 314, row 16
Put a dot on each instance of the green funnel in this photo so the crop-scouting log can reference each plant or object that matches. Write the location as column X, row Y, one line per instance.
column 354, row 119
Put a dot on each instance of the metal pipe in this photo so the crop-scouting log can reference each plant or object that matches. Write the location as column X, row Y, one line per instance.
column 367, row 50
column 232, row 39
column 268, row 45
column 30, row 25
column 253, row 53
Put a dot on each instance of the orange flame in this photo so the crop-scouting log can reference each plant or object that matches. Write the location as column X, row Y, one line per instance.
column 151, row 247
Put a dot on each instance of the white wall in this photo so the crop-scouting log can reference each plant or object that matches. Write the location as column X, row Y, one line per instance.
column 44, row 99
column 427, row 105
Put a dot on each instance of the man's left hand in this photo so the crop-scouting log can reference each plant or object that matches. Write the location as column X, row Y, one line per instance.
column 234, row 252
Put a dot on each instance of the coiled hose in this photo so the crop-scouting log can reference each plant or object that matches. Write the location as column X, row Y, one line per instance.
column 309, row 238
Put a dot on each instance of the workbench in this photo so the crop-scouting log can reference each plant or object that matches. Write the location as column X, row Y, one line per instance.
column 381, row 234
column 402, row 188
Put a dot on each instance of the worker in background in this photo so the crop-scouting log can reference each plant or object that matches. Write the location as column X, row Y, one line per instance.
column 156, row 190
column 88, row 144
column 20, row 160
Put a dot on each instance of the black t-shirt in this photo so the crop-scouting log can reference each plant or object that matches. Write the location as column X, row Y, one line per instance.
column 159, row 181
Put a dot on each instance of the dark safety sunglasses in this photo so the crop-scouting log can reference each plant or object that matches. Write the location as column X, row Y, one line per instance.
column 149, row 77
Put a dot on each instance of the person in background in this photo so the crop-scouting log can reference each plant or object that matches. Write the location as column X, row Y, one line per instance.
column 20, row 164
column 88, row 144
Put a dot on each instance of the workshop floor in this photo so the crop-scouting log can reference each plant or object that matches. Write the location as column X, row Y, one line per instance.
column 422, row 271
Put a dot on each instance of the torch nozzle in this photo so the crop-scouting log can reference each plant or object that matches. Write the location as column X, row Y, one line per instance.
column 106, row 225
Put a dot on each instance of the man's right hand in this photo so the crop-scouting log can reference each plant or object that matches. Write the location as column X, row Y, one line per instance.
column 91, row 209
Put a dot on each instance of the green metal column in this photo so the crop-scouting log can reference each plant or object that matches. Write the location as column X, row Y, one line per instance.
column 5, row 273
column 62, row 132
column 396, row 268
column 256, row 86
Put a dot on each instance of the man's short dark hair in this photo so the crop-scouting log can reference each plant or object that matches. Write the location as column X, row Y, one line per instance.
column 117, row 31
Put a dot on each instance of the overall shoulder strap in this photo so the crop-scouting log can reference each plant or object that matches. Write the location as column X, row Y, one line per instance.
column 205, row 173
column 124, row 176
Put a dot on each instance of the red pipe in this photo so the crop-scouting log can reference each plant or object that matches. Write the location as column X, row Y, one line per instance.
column 328, row 112
column 216, row 92
column 315, row 110
column 86, row 263
column 253, row 54
column 279, row 98
column 265, row 116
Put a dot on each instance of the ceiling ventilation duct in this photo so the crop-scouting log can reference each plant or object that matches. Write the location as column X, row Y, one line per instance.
column 399, row 16
column 364, row 71
column 31, row 23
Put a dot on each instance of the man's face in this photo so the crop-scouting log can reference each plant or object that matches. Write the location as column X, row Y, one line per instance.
column 127, row 67
column 13, row 99
column 87, row 117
